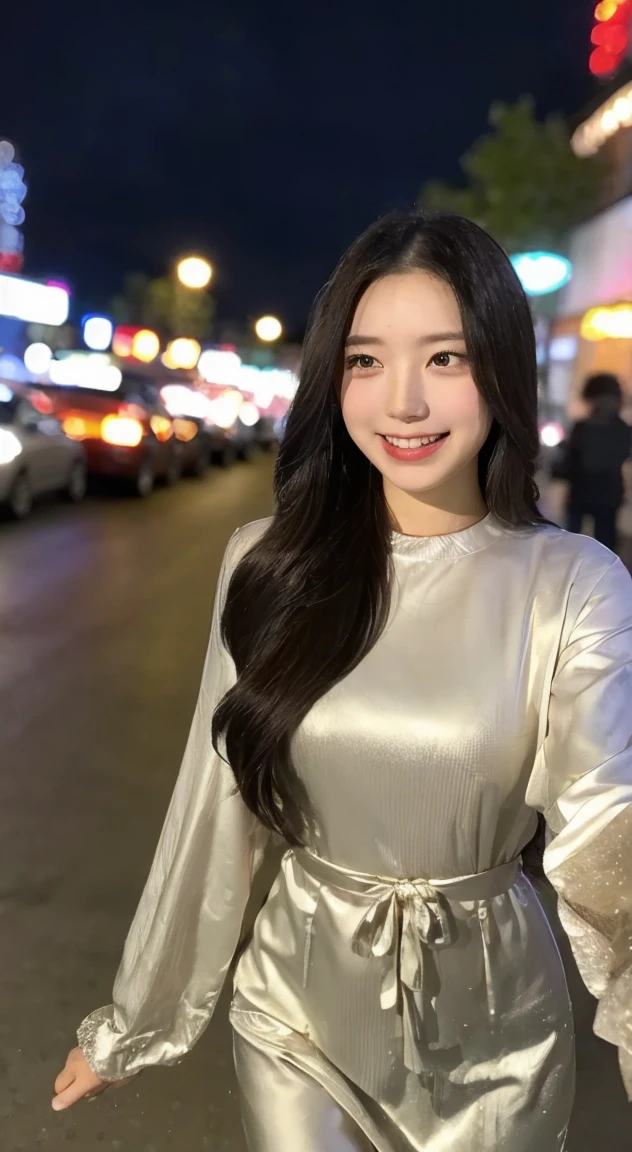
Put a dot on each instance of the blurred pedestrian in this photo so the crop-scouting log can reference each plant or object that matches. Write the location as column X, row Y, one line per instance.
column 407, row 665
column 597, row 449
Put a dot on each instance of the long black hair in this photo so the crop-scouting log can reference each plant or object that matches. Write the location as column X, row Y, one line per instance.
column 312, row 596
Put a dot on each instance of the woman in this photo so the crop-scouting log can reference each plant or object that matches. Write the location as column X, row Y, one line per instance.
column 406, row 666
column 598, row 447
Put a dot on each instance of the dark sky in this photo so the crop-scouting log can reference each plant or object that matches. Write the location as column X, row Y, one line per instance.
column 268, row 134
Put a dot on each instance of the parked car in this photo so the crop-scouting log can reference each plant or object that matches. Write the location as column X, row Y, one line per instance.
column 223, row 447
column 265, row 433
column 225, row 443
column 36, row 457
column 128, row 434
column 191, row 428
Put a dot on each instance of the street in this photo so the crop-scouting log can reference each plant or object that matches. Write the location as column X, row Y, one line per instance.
column 104, row 618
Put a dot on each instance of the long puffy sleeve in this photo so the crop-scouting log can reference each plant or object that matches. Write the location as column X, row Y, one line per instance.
column 187, row 925
column 582, row 781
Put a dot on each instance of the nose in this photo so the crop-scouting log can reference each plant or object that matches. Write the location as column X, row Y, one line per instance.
column 406, row 399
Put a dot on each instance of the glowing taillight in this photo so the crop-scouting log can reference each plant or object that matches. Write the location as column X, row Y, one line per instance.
column 185, row 430
column 162, row 428
column 78, row 426
column 74, row 427
column 122, row 431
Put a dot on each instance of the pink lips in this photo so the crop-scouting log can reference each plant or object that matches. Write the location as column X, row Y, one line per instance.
column 409, row 455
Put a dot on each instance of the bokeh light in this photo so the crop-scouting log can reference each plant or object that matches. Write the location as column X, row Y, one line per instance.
column 182, row 353
column 225, row 408
column 145, row 346
column 268, row 329
column 217, row 366
column 551, row 435
column 612, row 322
column 33, row 302
column 541, row 272
column 37, row 358
column 97, row 332
column 249, row 414
column 194, row 272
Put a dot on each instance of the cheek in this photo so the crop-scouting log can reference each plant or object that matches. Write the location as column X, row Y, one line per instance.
column 470, row 412
column 357, row 403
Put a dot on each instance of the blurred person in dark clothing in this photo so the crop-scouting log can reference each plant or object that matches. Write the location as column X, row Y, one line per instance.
column 597, row 449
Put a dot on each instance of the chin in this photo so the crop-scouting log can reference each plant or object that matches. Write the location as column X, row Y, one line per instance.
column 417, row 477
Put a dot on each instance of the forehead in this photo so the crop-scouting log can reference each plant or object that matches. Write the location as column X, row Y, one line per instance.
column 406, row 303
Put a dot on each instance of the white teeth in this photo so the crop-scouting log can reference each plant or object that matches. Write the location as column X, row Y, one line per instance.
column 416, row 442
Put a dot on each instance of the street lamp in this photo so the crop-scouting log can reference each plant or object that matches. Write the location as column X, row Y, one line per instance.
column 268, row 329
column 194, row 272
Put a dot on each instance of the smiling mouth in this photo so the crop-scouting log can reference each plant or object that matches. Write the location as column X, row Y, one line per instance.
column 415, row 441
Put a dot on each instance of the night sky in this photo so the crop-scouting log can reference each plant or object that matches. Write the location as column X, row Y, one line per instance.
column 266, row 134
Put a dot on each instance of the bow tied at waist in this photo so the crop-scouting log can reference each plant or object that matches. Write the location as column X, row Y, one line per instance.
column 404, row 918
column 403, row 921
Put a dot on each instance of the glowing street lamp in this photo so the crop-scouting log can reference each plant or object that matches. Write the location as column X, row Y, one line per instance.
column 194, row 272
column 268, row 329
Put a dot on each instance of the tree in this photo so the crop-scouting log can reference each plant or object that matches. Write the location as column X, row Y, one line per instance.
column 165, row 306
column 525, row 184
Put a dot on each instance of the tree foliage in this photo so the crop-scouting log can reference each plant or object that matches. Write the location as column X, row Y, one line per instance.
column 165, row 306
column 524, row 183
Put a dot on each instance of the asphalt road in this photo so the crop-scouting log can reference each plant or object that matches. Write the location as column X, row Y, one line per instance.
column 104, row 617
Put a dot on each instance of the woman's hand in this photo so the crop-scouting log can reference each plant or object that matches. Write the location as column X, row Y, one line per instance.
column 79, row 1082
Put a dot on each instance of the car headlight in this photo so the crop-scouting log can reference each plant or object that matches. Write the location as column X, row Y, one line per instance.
column 10, row 447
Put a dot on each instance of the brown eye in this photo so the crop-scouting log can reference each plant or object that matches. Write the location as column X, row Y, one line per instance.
column 448, row 359
column 361, row 360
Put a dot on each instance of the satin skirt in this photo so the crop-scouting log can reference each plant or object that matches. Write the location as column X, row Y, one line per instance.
column 374, row 1013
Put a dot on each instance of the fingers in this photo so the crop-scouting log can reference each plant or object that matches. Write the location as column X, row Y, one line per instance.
column 76, row 1092
column 65, row 1079
column 75, row 1082
column 69, row 1096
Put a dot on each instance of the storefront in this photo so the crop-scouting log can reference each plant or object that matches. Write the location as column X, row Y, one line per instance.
column 593, row 328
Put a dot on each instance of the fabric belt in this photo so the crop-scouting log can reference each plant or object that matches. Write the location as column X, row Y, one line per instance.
column 404, row 918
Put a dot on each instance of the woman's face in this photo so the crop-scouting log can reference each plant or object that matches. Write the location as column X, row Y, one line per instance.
column 408, row 398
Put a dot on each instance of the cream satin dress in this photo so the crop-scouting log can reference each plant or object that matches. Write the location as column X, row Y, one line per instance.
column 402, row 990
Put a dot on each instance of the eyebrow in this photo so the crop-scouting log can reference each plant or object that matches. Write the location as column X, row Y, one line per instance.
column 434, row 338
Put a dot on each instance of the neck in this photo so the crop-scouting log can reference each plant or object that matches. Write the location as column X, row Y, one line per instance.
column 439, row 512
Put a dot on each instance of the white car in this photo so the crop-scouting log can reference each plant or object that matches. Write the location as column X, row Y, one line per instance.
column 36, row 457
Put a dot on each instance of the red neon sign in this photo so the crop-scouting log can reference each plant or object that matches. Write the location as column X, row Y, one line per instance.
column 610, row 36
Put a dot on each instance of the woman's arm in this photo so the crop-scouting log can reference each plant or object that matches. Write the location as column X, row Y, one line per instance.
column 188, row 921
column 582, row 781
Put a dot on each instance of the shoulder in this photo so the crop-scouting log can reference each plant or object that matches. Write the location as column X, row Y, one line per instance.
column 239, row 544
column 583, row 573
column 564, row 566
column 243, row 539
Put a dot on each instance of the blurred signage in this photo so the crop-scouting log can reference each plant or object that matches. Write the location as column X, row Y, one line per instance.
column 12, row 193
column 86, row 370
column 612, row 322
column 616, row 113
column 610, row 36
column 33, row 302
